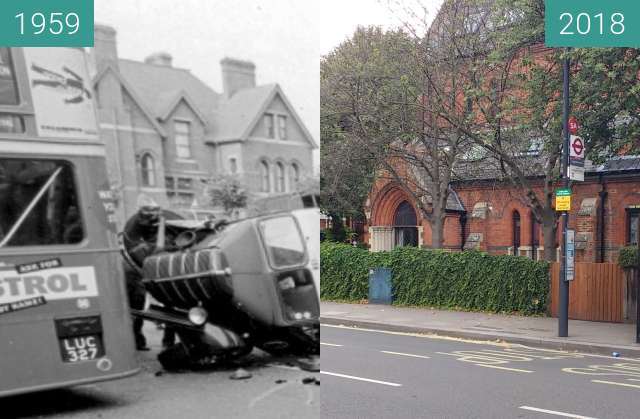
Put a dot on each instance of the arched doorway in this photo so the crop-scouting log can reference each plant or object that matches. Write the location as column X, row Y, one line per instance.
column 405, row 226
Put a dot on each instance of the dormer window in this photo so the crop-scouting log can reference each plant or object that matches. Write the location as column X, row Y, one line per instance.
column 282, row 127
column 182, row 131
column 270, row 127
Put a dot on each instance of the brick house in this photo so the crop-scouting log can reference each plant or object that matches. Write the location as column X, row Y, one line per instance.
column 489, row 215
column 167, row 132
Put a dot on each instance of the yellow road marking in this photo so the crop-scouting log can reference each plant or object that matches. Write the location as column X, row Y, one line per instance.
column 615, row 383
column 403, row 354
column 502, row 368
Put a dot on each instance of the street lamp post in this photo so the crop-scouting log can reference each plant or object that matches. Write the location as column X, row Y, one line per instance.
column 563, row 309
column 637, row 278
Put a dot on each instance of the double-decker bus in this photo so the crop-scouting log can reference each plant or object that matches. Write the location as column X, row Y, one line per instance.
column 64, row 317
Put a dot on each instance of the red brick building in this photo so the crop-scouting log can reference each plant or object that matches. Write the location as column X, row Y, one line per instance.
column 491, row 216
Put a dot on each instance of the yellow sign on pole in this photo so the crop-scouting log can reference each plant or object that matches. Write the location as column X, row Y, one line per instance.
column 563, row 203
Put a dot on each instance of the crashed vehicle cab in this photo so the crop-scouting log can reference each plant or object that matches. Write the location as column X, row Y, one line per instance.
column 227, row 287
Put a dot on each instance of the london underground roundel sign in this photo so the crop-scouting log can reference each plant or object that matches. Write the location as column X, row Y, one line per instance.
column 576, row 147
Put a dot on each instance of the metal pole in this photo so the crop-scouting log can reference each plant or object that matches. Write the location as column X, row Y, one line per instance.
column 563, row 309
column 637, row 279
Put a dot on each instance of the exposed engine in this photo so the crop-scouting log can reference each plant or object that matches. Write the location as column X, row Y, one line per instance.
column 225, row 287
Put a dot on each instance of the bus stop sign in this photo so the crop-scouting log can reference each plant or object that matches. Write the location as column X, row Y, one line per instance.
column 573, row 125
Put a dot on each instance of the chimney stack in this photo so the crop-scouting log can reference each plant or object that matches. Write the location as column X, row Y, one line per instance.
column 163, row 59
column 237, row 75
column 105, row 50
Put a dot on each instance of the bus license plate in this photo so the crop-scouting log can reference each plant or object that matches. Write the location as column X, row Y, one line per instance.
column 81, row 348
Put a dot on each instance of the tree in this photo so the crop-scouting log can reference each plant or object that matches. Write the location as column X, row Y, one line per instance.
column 487, row 58
column 373, row 105
column 228, row 193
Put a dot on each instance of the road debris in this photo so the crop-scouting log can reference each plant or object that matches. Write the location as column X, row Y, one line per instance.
column 311, row 380
column 240, row 374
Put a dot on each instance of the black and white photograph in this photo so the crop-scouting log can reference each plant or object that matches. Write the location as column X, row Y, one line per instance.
column 159, row 216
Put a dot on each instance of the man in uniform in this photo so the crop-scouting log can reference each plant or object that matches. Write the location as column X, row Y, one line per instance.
column 140, row 238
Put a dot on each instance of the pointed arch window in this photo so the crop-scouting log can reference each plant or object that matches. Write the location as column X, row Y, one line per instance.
column 516, row 230
column 405, row 225
column 280, row 185
column 148, row 168
column 294, row 176
column 264, row 177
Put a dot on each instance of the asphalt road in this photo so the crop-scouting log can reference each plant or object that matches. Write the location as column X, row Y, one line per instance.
column 186, row 395
column 373, row 374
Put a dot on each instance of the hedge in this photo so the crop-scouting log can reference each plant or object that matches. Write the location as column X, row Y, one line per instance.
column 432, row 278
column 628, row 257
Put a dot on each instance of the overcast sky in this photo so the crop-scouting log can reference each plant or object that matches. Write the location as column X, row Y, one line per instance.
column 284, row 38
column 340, row 18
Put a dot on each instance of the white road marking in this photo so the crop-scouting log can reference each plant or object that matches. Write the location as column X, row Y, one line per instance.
column 502, row 368
column 554, row 412
column 614, row 383
column 352, row 377
column 403, row 354
column 418, row 335
column 330, row 344
column 476, row 341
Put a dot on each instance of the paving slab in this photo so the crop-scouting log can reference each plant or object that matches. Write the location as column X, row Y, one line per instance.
column 584, row 336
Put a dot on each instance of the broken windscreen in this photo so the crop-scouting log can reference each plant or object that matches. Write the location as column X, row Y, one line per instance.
column 38, row 203
column 283, row 241
column 8, row 88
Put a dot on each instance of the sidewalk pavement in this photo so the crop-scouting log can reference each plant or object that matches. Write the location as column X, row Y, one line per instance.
column 584, row 336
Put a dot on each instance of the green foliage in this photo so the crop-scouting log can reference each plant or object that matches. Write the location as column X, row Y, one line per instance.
column 433, row 278
column 363, row 84
column 628, row 257
column 228, row 193
column 344, row 272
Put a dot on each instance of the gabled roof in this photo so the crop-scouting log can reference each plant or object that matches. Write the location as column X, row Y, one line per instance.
column 132, row 92
column 162, row 87
column 239, row 114
column 619, row 164
column 159, row 89
column 183, row 96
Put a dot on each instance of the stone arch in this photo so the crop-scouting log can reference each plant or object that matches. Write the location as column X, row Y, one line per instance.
column 385, row 204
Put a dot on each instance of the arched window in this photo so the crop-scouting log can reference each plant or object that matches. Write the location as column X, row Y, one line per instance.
column 148, row 170
column 405, row 225
column 280, row 186
column 265, row 185
column 294, row 176
column 516, row 231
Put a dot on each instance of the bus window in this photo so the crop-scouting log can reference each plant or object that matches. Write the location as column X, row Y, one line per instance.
column 38, row 203
column 8, row 87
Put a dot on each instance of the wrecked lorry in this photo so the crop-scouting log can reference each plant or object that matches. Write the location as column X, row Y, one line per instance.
column 227, row 287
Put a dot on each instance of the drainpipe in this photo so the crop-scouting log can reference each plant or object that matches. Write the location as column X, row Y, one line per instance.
column 603, row 196
column 463, row 225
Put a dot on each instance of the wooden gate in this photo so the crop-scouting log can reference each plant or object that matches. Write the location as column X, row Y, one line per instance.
column 595, row 294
